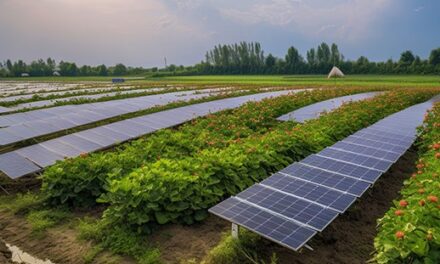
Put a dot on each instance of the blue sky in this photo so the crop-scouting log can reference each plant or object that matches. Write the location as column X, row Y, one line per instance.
column 143, row 32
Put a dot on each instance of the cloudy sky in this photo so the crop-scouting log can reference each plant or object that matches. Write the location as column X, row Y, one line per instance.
column 143, row 32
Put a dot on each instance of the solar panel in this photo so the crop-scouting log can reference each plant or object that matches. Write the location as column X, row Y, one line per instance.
column 367, row 151
column 39, row 155
column 325, row 196
column 300, row 210
column 273, row 227
column 59, row 147
column 373, row 131
column 325, row 178
column 79, row 143
column 16, row 166
column 314, row 110
column 375, row 144
column 7, row 137
column 92, row 136
column 343, row 168
column 356, row 159
column 392, row 141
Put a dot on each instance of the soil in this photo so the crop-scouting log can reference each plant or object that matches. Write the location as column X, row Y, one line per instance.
column 179, row 243
column 5, row 254
column 60, row 245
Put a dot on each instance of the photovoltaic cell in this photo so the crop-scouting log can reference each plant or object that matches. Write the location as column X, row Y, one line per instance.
column 373, row 131
column 305, row 212
column 392, row 141
column 16, row 166
column 59, row 147
column 368, row 151
column 270, row 226
column 336, row 181
column 39, row 155
column 357, row 159
column 325, row 196
column 375, row 144
column 79, row 143
column 342, row 168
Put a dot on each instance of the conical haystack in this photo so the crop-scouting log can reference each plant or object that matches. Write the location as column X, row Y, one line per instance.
column 335, row 73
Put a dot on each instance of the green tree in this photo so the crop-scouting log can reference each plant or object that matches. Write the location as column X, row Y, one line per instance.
column 119, row 69
column 434, row 57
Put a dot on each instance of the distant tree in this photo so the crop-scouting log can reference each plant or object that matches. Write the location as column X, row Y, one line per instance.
column 434, row 57
column 68, row 68
column 311, row 57
column 269, row 63
column 119, row 69
column 335, row 57
column 407, row 58
column 101, row 70
column 294, row 61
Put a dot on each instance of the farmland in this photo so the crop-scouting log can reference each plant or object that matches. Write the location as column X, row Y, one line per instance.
column 145, row 198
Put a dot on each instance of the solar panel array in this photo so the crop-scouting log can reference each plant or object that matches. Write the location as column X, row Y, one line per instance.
column 50, row 102
column 27, row 125
column 4, row 109
column 305, row 197
column 314, row 110
column 34, row 158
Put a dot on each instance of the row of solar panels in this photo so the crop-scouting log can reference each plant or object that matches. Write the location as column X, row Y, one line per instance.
column 291, row 206
column 34, row 158
column 32, row 124
column 314, row 110
column 30, row 93
column 50, row 102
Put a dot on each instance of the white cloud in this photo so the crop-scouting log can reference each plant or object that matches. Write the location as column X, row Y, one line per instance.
column 344, row 19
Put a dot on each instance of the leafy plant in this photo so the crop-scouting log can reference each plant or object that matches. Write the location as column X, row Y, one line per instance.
column 182, row 189
column 410, row 231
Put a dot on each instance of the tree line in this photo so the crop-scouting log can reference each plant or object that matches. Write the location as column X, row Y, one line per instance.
column 249, row 58
column 49, row 67
column 243, row 58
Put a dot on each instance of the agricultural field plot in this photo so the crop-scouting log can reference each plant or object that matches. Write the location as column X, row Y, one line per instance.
column 147, row 200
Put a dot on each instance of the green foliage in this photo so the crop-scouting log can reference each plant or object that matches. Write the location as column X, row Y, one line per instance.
column 238, row 251
column 411, row 233
column 23, row 203
column 40, row 220
column 119, row 240
column 178, row 189
column 81, row 180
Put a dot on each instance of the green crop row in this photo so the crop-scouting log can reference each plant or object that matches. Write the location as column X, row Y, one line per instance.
column 410, row 231
column 181, row 189
column 82, row 180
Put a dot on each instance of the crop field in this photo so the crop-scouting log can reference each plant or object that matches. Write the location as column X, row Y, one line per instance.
column 221, row 169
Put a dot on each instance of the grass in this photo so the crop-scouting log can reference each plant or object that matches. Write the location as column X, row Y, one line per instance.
column 265, row 80
column 305, row 80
